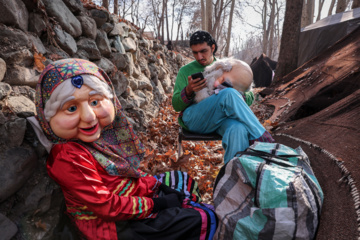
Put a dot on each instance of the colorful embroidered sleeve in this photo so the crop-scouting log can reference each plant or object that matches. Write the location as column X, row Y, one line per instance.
column 86, row 184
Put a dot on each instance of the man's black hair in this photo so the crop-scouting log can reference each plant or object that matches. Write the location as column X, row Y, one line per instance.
column 201, row 37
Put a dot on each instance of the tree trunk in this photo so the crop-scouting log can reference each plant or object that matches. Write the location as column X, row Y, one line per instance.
column 116, row 7
column 162, row 22
column 167, row 21
column 229, row 28
column 355, row 4
column 288, row 56
column 208, row 15
column 331, row 8
column 310, row 8
column 105, row 4
column 321, row 4
column 270, row 30
column 265, row 32
column 307, row 13
column 203, row 15
column 340, row 6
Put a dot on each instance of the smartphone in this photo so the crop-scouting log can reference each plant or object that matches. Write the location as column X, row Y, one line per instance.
column 197, row 75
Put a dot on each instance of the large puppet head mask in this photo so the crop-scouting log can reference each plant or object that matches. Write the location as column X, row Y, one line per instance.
column 118, row 149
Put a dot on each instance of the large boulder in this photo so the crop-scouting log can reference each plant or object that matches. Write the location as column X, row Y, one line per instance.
column 129, row 44
column 62, row 14
column 65, row 41
column 74, row 6
column 22, row 107
column 16, row 166
column 13, row 39
column 100, row 16
column 88, row 26
column 37, row 24
column 19, row 75
column 118, row 30
column 23, row 57
column 102, row 43
column 5, row 90
column 118, row 45
column 2, row 69
column 90, row 47
column 8, row 229
column 121, row 61
column 106, row 65
column 14, row 13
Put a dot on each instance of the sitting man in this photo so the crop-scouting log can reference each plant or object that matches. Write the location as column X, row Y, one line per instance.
column 226, row 113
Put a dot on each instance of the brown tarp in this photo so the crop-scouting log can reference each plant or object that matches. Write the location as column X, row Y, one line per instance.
column 319, row 103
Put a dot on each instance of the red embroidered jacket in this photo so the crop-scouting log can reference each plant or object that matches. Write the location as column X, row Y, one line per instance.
column 95, row 199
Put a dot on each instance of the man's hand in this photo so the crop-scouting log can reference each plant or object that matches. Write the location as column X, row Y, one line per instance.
column 195, row 85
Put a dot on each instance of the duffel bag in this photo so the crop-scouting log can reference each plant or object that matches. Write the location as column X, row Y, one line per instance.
column 267, row 192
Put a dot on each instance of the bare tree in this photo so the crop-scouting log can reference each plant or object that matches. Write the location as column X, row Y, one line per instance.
column 340, row 6
column 271, row 28
column 288, row 56
column 331, row 8
column 321, row 4
column 209, row 15
column 307, row 13
column 229, row 28
column 116, row 7
column 105, row 4
column 203, row 15
column 184, row 6
column 355, row 4
column 268, row 27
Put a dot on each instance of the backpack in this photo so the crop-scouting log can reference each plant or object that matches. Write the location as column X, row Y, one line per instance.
column 267, row 192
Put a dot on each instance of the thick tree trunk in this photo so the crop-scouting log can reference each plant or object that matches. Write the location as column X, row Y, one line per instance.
column 116, row 7
column 331, row 8
column 340, row 6
column 105, row 4
column 270, row 29
column 321, row 4
column 288, row 56
column 203, row 15
column 208, row 15
column 265, row 32
column 355, row 4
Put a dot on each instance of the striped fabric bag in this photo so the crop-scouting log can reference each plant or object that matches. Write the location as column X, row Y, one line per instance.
column 182, row 182
column 267, row 192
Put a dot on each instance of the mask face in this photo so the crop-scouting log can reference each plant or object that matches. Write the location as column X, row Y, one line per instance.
column 83, row 116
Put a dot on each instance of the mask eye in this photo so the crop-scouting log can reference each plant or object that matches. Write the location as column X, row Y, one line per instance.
column 72, row 109
column 94, row 103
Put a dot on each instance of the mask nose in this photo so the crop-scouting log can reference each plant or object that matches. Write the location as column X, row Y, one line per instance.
column 87, row 114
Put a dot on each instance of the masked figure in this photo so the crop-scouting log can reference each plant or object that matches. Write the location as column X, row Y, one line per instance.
column 94, row 156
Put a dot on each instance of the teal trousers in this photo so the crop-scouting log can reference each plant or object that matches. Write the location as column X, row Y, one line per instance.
column 227, row 114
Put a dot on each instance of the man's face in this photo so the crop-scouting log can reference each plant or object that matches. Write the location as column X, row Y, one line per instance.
column 203, row 53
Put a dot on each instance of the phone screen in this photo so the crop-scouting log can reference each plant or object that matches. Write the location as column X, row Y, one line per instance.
column 197, row 75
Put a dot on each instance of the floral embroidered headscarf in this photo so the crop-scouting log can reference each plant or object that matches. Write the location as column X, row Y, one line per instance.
column 118, row 150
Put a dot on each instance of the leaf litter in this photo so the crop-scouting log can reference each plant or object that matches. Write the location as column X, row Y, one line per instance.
column 202, row 160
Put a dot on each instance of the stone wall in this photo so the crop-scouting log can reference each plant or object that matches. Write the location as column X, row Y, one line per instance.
column 142, row 71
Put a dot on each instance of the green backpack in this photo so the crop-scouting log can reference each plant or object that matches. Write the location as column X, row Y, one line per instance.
column 267, row 192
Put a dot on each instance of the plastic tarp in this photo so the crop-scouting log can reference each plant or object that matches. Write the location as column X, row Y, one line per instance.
column 317, row 37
